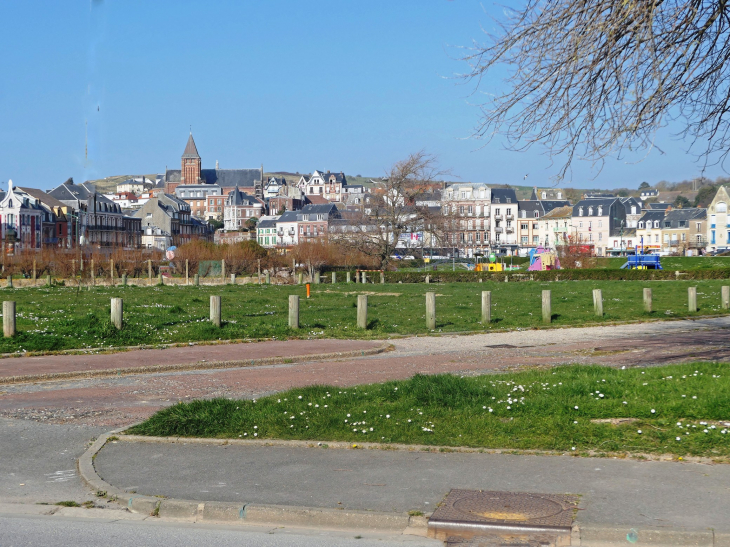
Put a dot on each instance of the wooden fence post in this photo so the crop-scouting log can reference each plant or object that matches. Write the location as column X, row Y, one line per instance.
column 9, row 318
column 486, row 307
column 34, row 272
column 315, row 278
column 233, row 279
column 547, row 315
column 159, row 279
column 187, row 272
column 428, row 279
column 725, row 291
column 117, row 312
column 364, row 278
column 293, row 311
column 111, row 271
column 10, row 281
column 647, row 300
column 431, row 310
column 382, row 278
column 124, row 279
column 268, row 277
column 362, row 311
column 197, row 280
column 223, row 271
column 49, row 281
column 93, row 273
column 692, row 298
column 598, row 302
column 348, row 278
column 149, row 271
column 301, row 278
column 334, row 277
column 215, row 310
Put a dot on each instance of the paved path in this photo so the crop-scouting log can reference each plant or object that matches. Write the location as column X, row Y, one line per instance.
column 181, row 355
column 632, row 494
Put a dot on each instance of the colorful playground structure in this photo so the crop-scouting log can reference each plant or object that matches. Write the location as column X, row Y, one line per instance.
column 542, row 259
column 493, row 265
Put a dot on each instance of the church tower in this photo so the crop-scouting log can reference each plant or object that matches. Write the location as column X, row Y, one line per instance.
column 190, row 172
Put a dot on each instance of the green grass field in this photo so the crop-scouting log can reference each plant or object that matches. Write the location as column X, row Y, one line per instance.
column 679, row 409
column 57, row 318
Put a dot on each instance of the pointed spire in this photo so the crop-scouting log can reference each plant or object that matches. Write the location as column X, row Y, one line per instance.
column 191, row 151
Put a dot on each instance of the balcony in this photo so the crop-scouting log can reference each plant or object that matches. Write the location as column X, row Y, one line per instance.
column 510, row 217
column 498, row 230
column 510, row 230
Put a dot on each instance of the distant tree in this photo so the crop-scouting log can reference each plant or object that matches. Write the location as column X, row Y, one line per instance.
column 644, row 185
column 705, row 195
column 251, row 223
column 681, row 202
column 215, row 224
column 622, row 193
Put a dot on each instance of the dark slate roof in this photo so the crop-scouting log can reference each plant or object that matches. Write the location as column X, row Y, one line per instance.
column 339, row 177
column 226, row 178
column 652, row 216
column 44, row 197
column 658, row 206
column 191, row 151
column 288, row 216
column 606, row 203
column 530, row 205
column 238, row 197
column 267, row 223
column 675, row 215
column 84, row 193
column 598, row 195
column 501, row 195
column 551, row 204
column 308, row 210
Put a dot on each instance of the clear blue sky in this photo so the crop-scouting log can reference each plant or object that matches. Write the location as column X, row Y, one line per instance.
column 295, row 85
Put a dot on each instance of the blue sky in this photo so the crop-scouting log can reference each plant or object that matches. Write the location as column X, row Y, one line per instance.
column 297, row 86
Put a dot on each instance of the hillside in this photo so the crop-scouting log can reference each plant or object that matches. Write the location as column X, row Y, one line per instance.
column 109, row 184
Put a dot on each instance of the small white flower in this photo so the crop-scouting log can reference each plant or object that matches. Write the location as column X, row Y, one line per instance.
column 300, row 396
column 639, row 431
column 573, row 448
column 387, row 416
column 601, row 395
column 348, row 415
column 576, row 407
column 409, row 421
column 679, row 438
column 255, row 434
column 653, row 411
column 575, row 422
column 255, row 427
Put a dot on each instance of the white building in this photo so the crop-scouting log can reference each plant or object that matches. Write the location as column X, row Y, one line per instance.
column 21, row 220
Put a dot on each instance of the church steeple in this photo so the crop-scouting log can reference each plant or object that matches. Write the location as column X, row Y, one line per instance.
column 191, row 164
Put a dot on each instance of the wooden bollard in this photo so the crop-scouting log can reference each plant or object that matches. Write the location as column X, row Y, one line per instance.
column 547, row 314
column 196, row 280
column 124, row 280
column 149, row 271
column 692, row 299
column 362, row 311
column 9, row 318
column 223, row 271
column 117, row 312
column 725, row 297
column 159, row 279
column 598, row 302
column 49, row 282
column 93, row 273
column 268, row 277
column 431, row 310
column 486, row 307
column 428, row 279
column 187, row 272
column 348, row 278
column 315, row 277
column 111, row 271
column 10, row 281
column 647, row 300
column 293, row 311
column 301, row 278
column 233, row 279
column 215, row 310
column 364, row 278
column 382, row 278
column 34, row 272
column 334, row 277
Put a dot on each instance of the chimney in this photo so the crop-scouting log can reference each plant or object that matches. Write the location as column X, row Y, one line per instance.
column 216, row 165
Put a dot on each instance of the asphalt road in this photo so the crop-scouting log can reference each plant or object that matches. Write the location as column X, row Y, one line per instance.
column 20, row 531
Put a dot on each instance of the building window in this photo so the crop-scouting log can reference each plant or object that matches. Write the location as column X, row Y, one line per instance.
column 535, row 226
column 524, row 240
column 523, row 226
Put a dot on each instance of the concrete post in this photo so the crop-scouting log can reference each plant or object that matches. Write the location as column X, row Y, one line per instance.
column 124, row 280
column 10, row 281
column 159, row 279
column 223, row 271
column 111, row 271
column 149, row 271
column 93, row 273
column 647, row 300
column 196, row 280
column 486, row 307
column 725, row 297
column 117, row 312
column 428, row 279
column 348, row 277
column 598, row 302
column 215, row 310
column 364, row 278
column 692, row 298
column 334, row 277
column 431, row 310
column 49, row 282
column 547, row 314
column 233, row 279
column 315, row 278
column 301, row 278
column 293, row 311
column 187, row 272
column 268, row 277
column 382, row 278
column 9, row 319
column 362, row 311
column 34, row 272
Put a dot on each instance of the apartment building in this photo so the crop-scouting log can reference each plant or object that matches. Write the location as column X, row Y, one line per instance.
column 718, row 222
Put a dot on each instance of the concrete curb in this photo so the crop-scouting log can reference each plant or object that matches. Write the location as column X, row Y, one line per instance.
column 600, row 536
column 199, row 365
column 243, row 513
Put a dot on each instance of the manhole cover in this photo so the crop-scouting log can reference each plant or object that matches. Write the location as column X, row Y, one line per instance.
column 505, row 510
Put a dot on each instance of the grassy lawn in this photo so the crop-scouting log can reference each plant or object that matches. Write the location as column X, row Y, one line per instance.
column 678, row 409
column 674, row 263
column 57, row 318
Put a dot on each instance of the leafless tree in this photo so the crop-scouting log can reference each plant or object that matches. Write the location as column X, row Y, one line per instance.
column 591, row 79
column 390, row 210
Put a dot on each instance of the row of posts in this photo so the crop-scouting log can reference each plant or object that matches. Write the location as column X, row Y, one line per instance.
column 117, row 308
